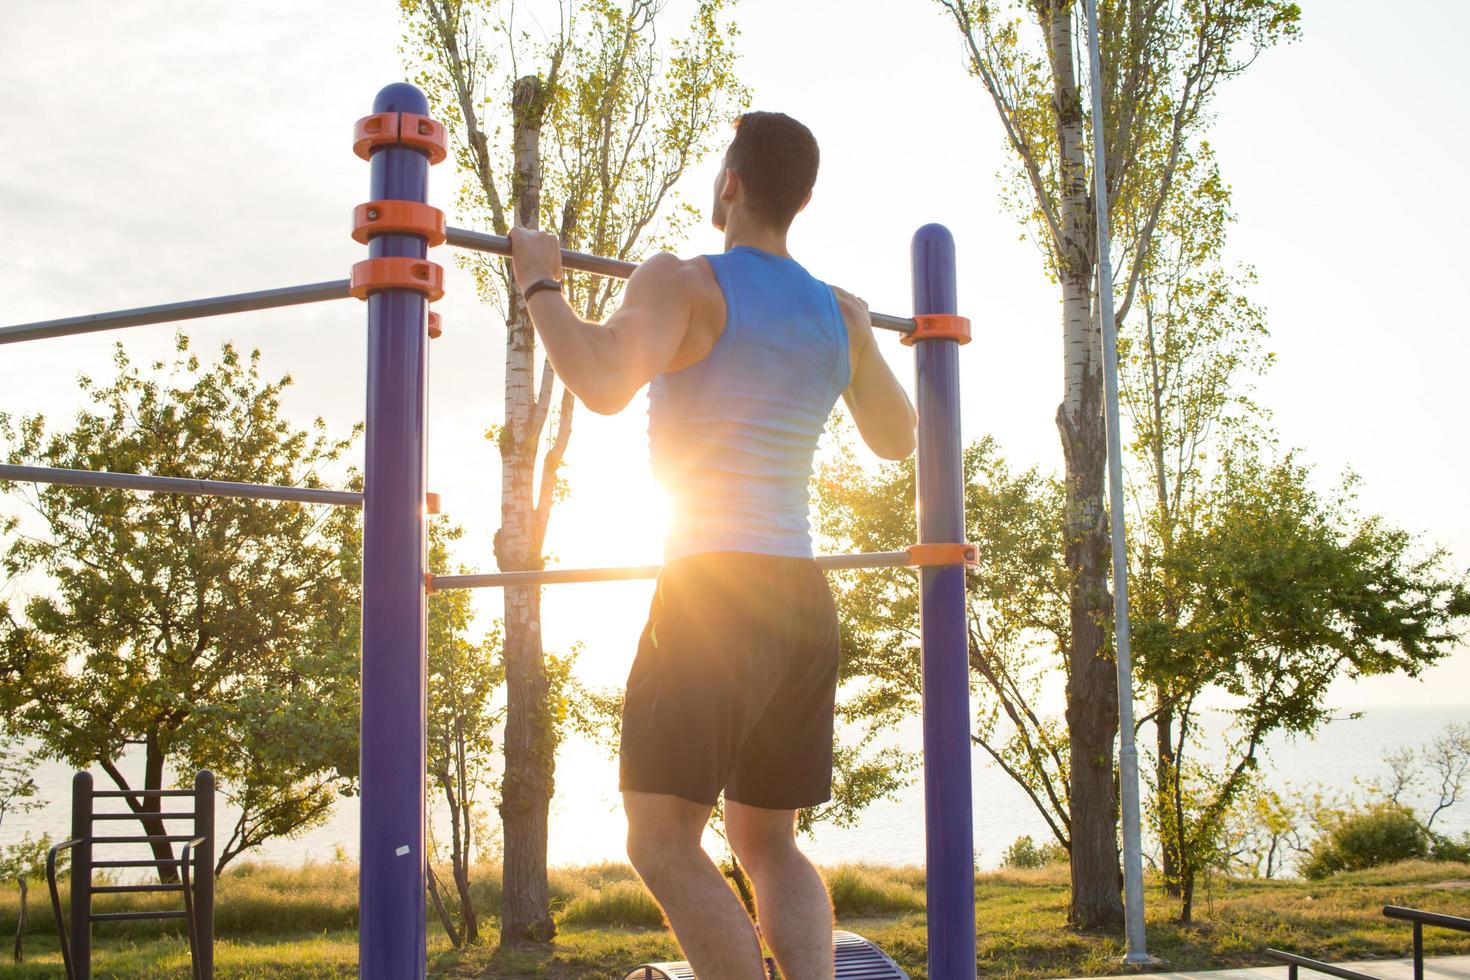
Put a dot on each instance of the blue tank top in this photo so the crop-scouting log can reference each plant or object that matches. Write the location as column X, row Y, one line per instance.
column 731, row 437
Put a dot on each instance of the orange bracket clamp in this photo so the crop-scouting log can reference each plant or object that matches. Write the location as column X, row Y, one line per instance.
column 397, row 218
column 400, row 129
column 921, row 555
column 938, row 326
column 420, row 275
column 436, row 326
column 429, row 582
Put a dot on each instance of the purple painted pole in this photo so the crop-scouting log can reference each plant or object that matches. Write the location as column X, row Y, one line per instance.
column 949, row 847
column 392, row 863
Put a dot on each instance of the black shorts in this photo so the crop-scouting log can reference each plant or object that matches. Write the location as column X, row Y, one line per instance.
column 734, row 683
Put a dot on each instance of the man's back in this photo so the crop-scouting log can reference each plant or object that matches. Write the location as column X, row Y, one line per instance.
column 732, row 435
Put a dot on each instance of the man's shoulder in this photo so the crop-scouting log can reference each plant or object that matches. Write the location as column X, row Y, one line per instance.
column 692, row 278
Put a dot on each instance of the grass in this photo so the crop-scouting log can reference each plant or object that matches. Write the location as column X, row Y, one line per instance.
column 299, row 924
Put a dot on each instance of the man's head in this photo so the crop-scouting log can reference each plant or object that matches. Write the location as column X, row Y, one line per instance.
column 769, row 170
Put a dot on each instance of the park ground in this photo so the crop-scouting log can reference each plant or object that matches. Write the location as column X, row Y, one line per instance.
column 297, row 924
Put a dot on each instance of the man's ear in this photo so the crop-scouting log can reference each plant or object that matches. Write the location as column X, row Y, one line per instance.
column 804, row 202
column 731, row 187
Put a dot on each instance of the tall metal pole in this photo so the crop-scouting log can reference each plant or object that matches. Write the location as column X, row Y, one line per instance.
column 1127, row 751
column 392, row 867
column 81, row 875
column 949, row 830
column 204, row 786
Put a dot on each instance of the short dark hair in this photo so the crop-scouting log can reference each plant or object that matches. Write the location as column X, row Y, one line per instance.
column 776, row 158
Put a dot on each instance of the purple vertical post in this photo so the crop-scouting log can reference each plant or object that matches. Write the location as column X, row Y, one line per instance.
column 948, row 828
column 392, row 863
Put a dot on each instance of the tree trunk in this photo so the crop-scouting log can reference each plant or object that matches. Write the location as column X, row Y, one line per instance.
column 444, row 918
column 1092, row 689
column 20, row 922
column 153, row 763
column 525, row 798
column 462, row 818
column 1164, row 770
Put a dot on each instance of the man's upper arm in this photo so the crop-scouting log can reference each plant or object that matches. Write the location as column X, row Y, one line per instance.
column 880, row 408
column 649, row 325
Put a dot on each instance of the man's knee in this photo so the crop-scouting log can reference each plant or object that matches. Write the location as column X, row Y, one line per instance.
column 760, row 837
column 663, row 834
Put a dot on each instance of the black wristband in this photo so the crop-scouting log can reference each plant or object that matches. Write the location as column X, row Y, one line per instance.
column 539, row 285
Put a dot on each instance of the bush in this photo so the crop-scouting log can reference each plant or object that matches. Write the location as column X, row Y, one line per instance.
column 618, row 903
column 1450, row 848
column 1366, row 839
column 1023, row 853
column 859, row 891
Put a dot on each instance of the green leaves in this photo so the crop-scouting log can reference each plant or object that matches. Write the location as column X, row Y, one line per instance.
column 220, row 632
column 1018, row 615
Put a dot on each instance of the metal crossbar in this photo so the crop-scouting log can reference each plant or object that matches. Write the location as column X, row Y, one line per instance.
column 613, row 268
column 559, row 576
column 120, row 792
column 128, row 889
column 144, row 815
column 318, row 292
column 189, row 309
column 1456, row 922
column 1295, row 962
column 144, row 839
column 126, row 916
column 173, row 484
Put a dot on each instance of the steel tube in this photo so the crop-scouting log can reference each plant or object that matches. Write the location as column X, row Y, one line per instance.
column 81, row 875
column 943, row 630
column 393, row 863
column 174, row 484
column 203, row 894
column 190, row 309
column 619, row 573
column 1133, row 915
column 615, row 268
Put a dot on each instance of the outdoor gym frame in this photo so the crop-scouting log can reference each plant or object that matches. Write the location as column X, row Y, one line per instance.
column 398, row 283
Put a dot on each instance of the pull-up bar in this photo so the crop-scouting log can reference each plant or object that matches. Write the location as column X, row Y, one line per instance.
column 319, row 292
column 623, row 573
column 174, row 484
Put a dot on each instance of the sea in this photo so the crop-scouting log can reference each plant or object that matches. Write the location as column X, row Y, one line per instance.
column 587, row 826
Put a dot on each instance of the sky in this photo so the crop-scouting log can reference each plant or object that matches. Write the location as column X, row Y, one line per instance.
column 169, row 150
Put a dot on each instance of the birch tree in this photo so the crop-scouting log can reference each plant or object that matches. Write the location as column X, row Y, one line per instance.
column 1163, row 64
column 584, row 129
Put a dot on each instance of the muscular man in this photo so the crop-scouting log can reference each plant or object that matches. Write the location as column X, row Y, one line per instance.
column 732, row 689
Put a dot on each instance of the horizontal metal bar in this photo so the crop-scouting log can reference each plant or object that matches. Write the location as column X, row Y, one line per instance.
column 173, row 484
column 190, row 309
column 863, row 559
column 143, row 815
column 124, row 889
column 1318, row 966
column 614, row 268
column 117, row 792
column 140, row 863
column 126, row 916
column 144, row 839
column 1428, row 918
column 580, row 261
column 562, row 576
